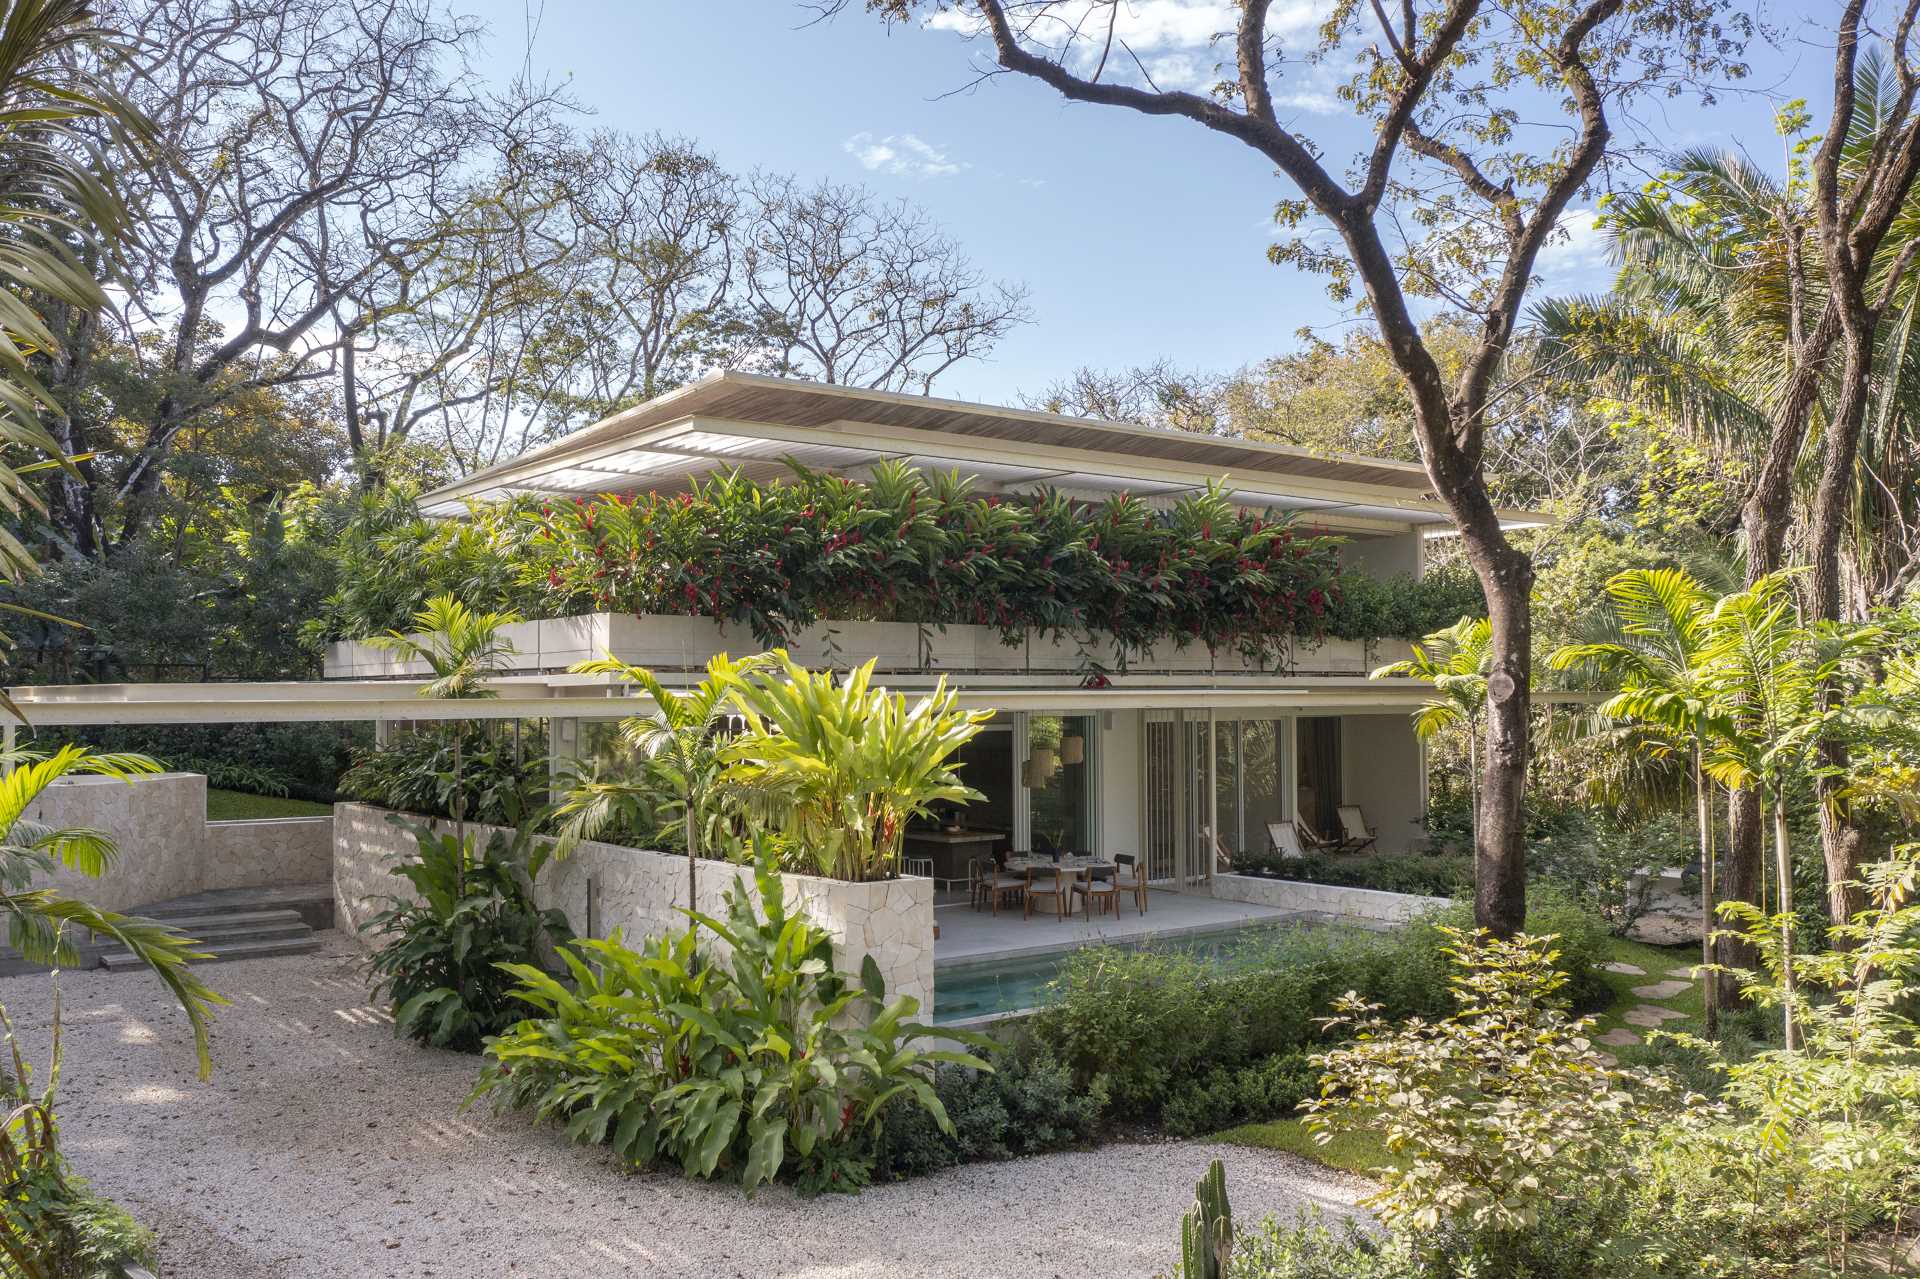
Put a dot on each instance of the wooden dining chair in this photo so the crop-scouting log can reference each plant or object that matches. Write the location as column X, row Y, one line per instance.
column 991, row 884
column 1050, row 884
column 1129, row 876
column 1098, row 891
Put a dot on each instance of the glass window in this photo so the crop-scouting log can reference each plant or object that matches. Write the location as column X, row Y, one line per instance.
column 1058, row 772
column 1249, row 772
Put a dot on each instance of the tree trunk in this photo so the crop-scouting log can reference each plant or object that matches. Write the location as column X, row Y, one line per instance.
column 1841, row 840
column 1745, row 826
column 1709, row 985
column 1499, row 835
column 1783, row 867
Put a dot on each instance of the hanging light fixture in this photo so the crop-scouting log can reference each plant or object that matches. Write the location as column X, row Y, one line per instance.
column 1073, row 749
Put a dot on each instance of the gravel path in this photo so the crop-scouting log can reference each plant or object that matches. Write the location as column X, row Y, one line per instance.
column 324, row 1147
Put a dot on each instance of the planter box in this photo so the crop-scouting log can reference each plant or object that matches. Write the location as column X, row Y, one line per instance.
column 1330, row 657
column 602, row 887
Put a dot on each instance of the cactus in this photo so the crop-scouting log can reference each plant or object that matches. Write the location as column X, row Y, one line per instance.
column 1206, row 1232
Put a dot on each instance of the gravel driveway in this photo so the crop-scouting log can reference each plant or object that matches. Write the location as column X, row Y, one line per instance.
column 324, row 1147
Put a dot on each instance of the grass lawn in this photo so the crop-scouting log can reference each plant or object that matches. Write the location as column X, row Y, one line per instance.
column 1362, row 1152
column 238, row 806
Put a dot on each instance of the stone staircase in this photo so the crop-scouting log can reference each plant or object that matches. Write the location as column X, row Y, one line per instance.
column 228, row 924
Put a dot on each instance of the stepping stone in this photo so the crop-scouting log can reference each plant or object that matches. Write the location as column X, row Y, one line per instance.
column 1650, row 1015
column 1620, row 1037
column 1607, row 1059
column 1621, row 966
column 1690, row 971
column 1662, row 989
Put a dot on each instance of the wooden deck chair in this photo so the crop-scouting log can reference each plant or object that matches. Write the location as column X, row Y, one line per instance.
column 1286, row 841
column 1356, row 835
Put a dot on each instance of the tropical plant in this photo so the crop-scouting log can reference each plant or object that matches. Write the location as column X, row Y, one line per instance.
column 41, row 921
column 66, row 221
column 1810, row 1150
column 842, row 766
column 681, row 743
column 1474, row 1106
column 1766, row 675
column 1657, row 664
column 760, row 1061
column 46, row 1216
column 501, row 783
column 1456, row 662
column 463, row 649
column 472, row 913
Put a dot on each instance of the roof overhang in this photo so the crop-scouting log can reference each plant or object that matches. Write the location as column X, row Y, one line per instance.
column 599, row 697
column 736, row 421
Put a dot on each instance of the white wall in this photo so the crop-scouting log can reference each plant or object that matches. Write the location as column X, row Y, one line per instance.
column 1120, row 784
column 1383, row 770
column 641, row 893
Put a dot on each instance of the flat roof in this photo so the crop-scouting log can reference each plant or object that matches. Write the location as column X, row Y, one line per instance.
column 754, row 424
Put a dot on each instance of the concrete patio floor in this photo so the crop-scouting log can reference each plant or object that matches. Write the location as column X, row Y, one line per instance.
column 967, row 934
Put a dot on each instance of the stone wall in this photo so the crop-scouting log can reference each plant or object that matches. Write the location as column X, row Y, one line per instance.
column 602, row 887
column 1368, row 905
column 269, row 851
column 168, row 848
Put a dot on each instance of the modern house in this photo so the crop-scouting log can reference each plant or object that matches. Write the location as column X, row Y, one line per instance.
column 1089, row 748
column 1180, row 755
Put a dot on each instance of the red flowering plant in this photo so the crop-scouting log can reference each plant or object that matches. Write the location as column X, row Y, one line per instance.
column 905, row 546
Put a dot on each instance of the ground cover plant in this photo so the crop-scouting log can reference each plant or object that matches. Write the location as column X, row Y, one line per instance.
column 760, row 1063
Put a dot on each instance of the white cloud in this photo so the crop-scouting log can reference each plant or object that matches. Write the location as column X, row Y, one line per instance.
column 1577, row 255
column 902, row 154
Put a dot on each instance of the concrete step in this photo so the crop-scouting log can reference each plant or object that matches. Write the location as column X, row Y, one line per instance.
column 122, row 962
column 196, row 925
column 292, row 926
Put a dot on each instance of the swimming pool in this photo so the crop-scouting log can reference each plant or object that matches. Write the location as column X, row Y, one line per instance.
column 1011, row 983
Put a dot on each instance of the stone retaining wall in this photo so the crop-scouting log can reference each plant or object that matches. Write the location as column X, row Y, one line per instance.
column 169, row 849
column 1366, row 904
column 641, row 893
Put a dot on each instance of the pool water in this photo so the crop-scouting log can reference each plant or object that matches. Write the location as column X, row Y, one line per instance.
column 982, row 988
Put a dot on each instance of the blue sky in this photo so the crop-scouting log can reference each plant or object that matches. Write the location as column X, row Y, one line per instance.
column 1139, row 238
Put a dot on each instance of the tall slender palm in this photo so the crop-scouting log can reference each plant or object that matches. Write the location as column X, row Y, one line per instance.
column 1456, row 661
column 1662, row 618
column 681, row 738
column 41, row 921
column 463, row 650
column 1765, row 671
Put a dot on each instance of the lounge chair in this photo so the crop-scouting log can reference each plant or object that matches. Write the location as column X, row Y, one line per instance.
column 1286, row 839
column 1356, row 835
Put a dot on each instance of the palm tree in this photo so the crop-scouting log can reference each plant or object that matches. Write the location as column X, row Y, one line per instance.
column 681, row 740
column 1456, row 661
column 64, row 226
column 1656, row 664
column 40, row 920
column 463, row 649
column 1765, row 673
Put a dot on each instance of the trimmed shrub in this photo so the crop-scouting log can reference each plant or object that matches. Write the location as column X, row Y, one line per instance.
column 1268, row 1089
column 1027, row 1106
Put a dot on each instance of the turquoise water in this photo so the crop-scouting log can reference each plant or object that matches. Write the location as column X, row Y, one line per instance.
column 980, row 988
